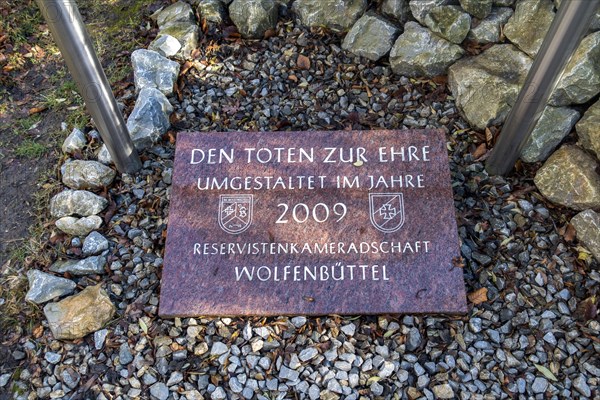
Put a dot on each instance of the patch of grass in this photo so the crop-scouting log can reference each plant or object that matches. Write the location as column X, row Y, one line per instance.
column 30, row 149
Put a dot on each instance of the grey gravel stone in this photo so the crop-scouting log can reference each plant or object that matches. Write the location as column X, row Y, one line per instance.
column 44, row 287
column 94, row 244
column 580, row 384
column 443, row 391
column 159, row 391
column 218, row 394
column 76, row 202
column 253, row 17
column 75, row 142
column 52, row 357
column 151, row 69
column 99, row 338
column 371, row 37
column 125, row 356
column 218, row 348
column 4, row 378
column 149, row 119
column 337, row 15
column 86, row 266
column 418, row 52
column 308, row 354
column 288, row 373
column 539, row 385
column 553, row 126
column 413, row 340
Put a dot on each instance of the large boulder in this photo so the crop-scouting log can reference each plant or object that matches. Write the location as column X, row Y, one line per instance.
column 580, row 81
column 78, row 226
column 176, row 21
column 149, row 119
column 150, row 69
column 587, row 226
column 79, row 315
column 489, row 29
column 529, row 24
column 420, row 8
column 553, row 126
column 418, row 52
column 486, row 86
column 44, row 287
column 86, row 174
column 174, row 14
column 449, row 22
column 253, row 17
column 477, row 8
column 396, row 9
column 165, row 45
column 569, row 178
column 337, row 15
column 588, row 129
column 371, row 37
column 76, row 202
column 212, row 11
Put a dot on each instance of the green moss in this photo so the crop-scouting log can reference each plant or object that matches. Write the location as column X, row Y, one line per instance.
column 30, row 149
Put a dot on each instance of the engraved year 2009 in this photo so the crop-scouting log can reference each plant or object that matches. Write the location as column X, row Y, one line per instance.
column 320, row 212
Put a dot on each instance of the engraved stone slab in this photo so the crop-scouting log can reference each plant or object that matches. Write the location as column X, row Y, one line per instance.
column 275, row 223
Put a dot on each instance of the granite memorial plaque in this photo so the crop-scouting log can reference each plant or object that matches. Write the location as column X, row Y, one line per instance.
column 311, row 223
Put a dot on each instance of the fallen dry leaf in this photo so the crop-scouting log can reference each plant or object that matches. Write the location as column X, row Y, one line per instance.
column 303, row 62
column 570, row 233
column 479, row 151
column 479, row 296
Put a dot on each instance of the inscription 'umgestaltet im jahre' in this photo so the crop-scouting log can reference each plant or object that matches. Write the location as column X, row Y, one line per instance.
column 311, row 223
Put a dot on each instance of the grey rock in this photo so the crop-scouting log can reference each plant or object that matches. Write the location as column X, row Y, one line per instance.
column 94, row 243
column 349, row 329
column 149, row 119
column 504, row 3
column 477, row 8
column 99, row 338
column 396, row 9
column 413, row 341
column 553, row 126
column 489, row 29
column 298, row 322
column 52, row 357
column 159, row 391
column 150, row 69
column 580, row 384
column 86, row 266
column 79, row 315
column 337, row 15
column 539, row 385
column 78, row 226
column 44, row 287
column 104, row 156
column 587, row 225
column 288, row 373
column 420, row 8
column 74, row 142
column 485, row 86
column 529, row 24
column 449, row 22
column 218, row 348
column 376, row 388
column 418, row 52
column 76, row 202
column 186, row 34
column 165, row 45
column 569, row 178
column 443, row 391
column 371, row 37
column 253, row 17
column 175, row 13
column 308, row 354
column 175, row 378
column 86, row 174
column 125, row 356
column 212, row 11
column 218, row 394
column 588, row 129
column 4, row 378
column 580, row 81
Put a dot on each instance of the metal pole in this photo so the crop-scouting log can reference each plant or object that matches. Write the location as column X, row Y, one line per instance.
column 566, row 31
column 70, row 34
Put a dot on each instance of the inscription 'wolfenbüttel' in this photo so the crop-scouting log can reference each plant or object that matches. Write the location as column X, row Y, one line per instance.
column 271, row 223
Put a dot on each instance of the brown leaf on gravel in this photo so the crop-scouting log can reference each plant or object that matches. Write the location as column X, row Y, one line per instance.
column 479, row 296
column 479, row 151
column 38, row 331
column 569, row 233
column 303, row 62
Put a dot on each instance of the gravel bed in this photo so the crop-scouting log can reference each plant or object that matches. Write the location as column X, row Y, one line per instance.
column 532, row 337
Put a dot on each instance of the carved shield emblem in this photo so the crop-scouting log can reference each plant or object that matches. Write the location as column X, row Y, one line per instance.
column 235, row 212
column 386, row 211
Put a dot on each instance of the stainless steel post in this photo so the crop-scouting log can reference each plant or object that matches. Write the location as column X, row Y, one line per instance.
column 70, row 34
column 566, row 31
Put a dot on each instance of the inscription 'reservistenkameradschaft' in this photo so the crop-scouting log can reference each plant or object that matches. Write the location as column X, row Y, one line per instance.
column 283, row 223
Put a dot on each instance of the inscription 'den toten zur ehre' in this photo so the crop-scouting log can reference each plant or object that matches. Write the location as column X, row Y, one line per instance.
column 274, row 223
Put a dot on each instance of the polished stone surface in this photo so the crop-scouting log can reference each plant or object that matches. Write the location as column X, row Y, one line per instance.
column 287, row 223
